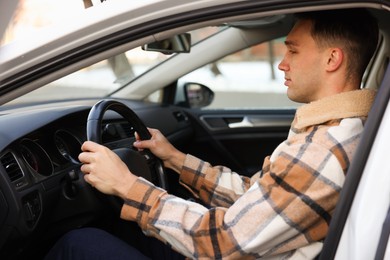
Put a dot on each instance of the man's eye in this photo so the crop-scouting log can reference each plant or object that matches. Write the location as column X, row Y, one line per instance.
column 292, row 51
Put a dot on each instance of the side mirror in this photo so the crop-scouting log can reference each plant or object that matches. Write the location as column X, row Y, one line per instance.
column 175, row 44
column 198, row 95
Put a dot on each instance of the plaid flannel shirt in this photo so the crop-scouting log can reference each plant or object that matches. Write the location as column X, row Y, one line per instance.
column 282, row 213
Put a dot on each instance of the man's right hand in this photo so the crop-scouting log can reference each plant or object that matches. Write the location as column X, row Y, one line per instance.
column 163, row 149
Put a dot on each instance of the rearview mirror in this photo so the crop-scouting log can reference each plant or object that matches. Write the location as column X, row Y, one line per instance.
column 175, row 44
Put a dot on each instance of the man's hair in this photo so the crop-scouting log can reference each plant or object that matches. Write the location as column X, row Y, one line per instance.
column 355, row 31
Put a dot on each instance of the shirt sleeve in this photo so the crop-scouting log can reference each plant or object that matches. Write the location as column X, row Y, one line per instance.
column 285, row 211
column 215, row 186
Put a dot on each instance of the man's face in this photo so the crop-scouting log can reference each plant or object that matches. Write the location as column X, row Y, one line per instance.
column 302, row 64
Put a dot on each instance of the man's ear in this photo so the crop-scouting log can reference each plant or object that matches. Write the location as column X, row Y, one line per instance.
column 335, row 59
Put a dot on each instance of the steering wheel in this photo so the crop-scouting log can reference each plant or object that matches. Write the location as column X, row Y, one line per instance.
column 141, row 163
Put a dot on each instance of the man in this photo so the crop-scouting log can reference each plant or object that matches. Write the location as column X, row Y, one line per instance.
column 284, row 211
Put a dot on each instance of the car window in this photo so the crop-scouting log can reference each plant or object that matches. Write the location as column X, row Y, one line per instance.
column 246, row 79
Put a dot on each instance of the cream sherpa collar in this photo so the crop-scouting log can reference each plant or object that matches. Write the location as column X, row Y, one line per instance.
column 355, row 103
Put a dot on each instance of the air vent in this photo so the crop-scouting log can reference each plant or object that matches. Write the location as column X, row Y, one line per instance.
column 117, row 131
column 11, row 167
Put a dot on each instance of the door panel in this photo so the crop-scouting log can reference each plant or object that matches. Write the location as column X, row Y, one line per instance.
column 236, row 138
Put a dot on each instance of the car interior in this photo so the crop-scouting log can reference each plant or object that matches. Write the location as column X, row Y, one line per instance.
column 42, row 190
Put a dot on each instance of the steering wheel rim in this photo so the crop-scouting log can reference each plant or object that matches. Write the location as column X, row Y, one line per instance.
column 94, row 133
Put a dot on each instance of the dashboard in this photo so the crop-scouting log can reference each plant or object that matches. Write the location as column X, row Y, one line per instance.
column 41, row 184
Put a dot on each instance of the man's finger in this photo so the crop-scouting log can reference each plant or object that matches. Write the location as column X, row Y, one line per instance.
column 89, row 146
column 86, row 157
column 136, row 135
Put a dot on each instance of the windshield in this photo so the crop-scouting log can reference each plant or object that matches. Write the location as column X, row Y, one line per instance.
column 97, row 80
column 105, row 77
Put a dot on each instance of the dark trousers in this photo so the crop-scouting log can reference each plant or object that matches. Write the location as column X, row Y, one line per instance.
column 93, row 243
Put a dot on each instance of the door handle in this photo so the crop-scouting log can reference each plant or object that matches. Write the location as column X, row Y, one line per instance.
column 262, row 121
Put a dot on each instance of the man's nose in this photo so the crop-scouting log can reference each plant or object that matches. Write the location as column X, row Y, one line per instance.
column 283, row 65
